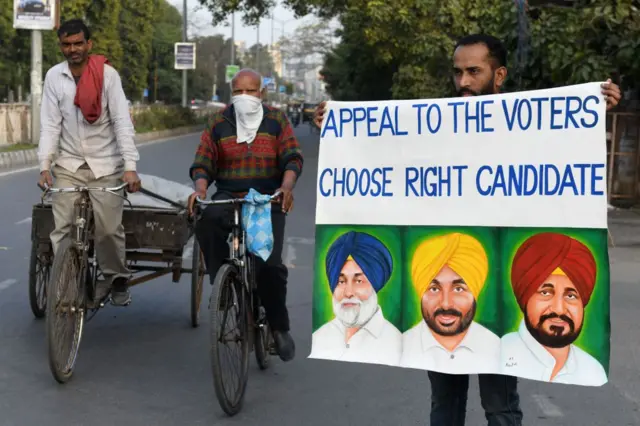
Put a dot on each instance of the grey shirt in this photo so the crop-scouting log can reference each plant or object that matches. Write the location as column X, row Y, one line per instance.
column 107, row 146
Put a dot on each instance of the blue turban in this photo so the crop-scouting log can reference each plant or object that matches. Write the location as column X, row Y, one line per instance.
column 367, row 251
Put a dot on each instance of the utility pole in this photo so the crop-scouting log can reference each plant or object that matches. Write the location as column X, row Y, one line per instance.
column 272, row 48
column 233, row 39
column 184, row 39
column 36, row 84
column 258, row 49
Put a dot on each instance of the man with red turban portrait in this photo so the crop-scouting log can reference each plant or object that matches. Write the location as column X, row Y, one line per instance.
column 553, row 277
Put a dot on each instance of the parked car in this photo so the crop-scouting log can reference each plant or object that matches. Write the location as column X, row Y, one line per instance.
column 32, row 6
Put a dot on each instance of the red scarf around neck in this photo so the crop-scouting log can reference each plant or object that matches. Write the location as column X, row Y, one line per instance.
column 89, row 89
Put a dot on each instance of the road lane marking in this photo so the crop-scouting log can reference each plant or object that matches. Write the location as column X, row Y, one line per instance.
column 7, row 283
column 548, row 408
column 25, row 220
column 141, row 145
column 300, row 240
column 290, row 256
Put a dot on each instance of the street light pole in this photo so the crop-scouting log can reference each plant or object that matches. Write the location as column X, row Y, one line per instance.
column 233, row 39
column 184, row 39
column 258, row 49
column 36, row 84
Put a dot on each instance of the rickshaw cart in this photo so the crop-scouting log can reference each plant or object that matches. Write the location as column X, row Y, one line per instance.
column 155, row 242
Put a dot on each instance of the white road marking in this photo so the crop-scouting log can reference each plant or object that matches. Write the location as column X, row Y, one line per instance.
column 7, row 283
column 290, row 256
column 300, row 240
column 548, row 408
column 142, row 145
column 25, row 220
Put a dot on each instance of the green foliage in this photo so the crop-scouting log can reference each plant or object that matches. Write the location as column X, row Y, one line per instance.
column 160, row 117
column 14, row 47
column 136, row 32
column 103, row 17
column 165, row 83
column 353, row 70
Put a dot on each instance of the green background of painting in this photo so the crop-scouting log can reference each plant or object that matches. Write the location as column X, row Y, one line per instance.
column 594, row 338
column 389, row 298
column 497, row 308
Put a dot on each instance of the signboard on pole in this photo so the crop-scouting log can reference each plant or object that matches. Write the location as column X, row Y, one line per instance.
column 35, row 14
column 269, row 83
column 185, row 56
column 230, row 71
column 282, row 89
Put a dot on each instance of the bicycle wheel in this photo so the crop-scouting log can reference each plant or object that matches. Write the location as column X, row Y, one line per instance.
column 65, row 310
column 229, row 302
column 197, row 277
column 39, row 272
column 262, row 339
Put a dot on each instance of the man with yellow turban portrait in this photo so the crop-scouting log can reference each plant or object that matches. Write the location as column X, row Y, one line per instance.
column 358, row 266
column 448, row 274
column 553, row 277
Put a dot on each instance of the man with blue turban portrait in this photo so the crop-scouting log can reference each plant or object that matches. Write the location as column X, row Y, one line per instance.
column 358, row 266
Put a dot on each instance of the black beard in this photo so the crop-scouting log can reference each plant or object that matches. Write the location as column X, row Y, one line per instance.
column 486, row 90
column 464, row 324
column 554, row 340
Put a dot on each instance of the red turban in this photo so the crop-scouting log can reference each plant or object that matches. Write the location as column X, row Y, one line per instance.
column 541, row 254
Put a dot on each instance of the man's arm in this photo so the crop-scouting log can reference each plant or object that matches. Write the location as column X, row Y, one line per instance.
column 121, row 118
column 50, row 124
column 204, row 168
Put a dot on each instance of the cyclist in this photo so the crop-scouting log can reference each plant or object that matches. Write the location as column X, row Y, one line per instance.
column 479, row 65
column 249, row 145
column 85, row 122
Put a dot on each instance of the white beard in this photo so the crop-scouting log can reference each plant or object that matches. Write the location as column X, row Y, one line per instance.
column 356, row 316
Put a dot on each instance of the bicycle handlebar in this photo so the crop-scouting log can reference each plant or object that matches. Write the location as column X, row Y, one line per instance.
column 47, row 189
column 232, row 200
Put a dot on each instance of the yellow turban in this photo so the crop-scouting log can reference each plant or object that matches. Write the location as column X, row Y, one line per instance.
column 462, row 253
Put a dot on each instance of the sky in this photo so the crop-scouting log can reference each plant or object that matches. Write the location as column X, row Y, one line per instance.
column 200, row 22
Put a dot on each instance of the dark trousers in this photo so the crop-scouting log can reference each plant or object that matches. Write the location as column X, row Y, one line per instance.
column 212, row 232
column 498, row 396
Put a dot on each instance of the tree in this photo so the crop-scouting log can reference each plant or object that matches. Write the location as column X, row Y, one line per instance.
column 265, row 63
column 136, row 32
column 306, row 48
column 589, row 41
column 165, row 81
column 213, row 55
column 352, row 70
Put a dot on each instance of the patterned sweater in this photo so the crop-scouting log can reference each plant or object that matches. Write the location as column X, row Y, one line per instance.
column 238, row 167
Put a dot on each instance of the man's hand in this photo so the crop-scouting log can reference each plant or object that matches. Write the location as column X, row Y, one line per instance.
column 192, row 200
column 286, row 195
column 46, row 180
column 611, row 93
column 133, row 180
column 319, row 114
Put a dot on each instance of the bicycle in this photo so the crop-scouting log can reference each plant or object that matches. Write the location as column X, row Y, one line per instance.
column 235, row 286
column 72, row 289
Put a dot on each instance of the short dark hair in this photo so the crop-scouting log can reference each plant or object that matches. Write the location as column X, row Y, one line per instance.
column 74, row 26
column 497, row 51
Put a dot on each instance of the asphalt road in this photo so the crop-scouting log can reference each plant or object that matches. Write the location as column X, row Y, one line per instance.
column 145, row 365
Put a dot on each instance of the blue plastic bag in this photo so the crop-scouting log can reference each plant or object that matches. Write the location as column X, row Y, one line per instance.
column 256, row 221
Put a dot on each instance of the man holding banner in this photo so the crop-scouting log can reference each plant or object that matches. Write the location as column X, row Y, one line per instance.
column 479, row 63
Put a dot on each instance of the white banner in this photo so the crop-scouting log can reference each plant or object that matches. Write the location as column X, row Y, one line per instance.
column 526, row 159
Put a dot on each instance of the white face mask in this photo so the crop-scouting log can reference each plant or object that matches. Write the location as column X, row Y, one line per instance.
column 249, row 114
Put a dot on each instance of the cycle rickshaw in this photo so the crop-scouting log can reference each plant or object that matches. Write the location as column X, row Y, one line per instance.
column 67, row 289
